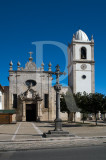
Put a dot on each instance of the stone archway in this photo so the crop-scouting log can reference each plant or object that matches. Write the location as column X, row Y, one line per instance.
column 30, row 105
column 31, row 111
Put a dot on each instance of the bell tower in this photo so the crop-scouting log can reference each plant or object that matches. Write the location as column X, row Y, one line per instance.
column 81, row 63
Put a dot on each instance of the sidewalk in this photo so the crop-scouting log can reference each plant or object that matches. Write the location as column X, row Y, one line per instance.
column 52, row 143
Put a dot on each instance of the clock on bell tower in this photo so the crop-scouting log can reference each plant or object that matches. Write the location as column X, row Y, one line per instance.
column 81, row 63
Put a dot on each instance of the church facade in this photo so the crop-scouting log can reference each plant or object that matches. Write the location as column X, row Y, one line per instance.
column 30, row 91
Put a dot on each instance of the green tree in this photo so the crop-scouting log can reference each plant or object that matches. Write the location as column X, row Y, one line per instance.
column 87, row 103
column 104, row 107
column 82, row 102
column 96, row 102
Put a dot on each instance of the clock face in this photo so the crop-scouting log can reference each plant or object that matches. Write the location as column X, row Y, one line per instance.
column 83, row 66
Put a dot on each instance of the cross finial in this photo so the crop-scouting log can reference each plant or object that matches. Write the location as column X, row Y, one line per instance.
column 30, row 58
column 57, row 68
column 30, row 53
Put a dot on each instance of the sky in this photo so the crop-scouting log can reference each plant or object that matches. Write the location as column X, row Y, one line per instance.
column 25, row 21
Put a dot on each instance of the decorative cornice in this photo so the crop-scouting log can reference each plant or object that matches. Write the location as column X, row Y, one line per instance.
column 81, row 61
column 83, row 42
column 84, row 61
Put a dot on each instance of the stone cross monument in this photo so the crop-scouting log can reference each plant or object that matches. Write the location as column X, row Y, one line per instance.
column 57, row 132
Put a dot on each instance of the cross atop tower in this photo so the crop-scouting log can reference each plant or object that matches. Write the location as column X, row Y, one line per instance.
column 30, row 53
column 30, row 58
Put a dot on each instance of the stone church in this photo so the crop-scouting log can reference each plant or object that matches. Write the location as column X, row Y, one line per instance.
column 30, row 92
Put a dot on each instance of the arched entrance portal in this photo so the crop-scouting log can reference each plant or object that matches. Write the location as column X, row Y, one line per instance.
column 31, row 109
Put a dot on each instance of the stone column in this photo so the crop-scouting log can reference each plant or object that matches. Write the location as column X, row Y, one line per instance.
column 49, row 98
column 58, row 121
column 24, row 112
column 57, row 105
column 38, row 111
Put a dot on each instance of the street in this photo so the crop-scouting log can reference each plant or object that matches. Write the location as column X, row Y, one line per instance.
column 77, row 153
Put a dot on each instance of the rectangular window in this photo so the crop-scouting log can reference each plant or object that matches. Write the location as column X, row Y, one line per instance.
column 14, row 100
column 46, row 99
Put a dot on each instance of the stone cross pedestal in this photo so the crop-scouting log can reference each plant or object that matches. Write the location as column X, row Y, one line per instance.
column 57, row 132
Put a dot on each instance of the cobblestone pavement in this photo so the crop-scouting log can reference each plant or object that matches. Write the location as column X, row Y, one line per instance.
column 28, row 135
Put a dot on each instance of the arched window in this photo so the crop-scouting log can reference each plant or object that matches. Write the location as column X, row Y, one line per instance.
column 83, row 53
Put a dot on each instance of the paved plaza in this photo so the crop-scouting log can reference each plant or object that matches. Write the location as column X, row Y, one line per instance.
column 28, row 135
column 33, row 130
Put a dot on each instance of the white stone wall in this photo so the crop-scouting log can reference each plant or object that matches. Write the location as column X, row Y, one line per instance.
column 0, row 100
column 75, row 80
column 83, row 84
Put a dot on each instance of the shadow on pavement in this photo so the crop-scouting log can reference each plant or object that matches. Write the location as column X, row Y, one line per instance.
column 21, row 134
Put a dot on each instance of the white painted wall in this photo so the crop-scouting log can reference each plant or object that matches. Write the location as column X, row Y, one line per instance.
column 77, row 116
column 78, row 51
column 1, row 100
column 83, row 84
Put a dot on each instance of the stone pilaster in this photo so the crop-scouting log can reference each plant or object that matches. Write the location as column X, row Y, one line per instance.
column 10, row 89
column 74, row 51
column 39, row 112
column 74, row 77
column 92, row 51
column 2, row 101
column 92, row 78
column 24, row 112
